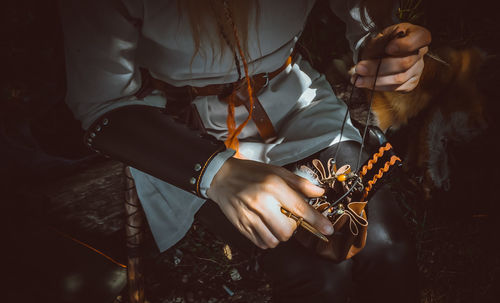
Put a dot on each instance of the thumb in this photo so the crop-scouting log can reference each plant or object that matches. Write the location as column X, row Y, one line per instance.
column 301, row 185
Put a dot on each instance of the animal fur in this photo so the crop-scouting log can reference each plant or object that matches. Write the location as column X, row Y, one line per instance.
column 448, row 107
column 449, row 83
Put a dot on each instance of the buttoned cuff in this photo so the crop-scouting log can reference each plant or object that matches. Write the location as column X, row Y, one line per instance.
column 212, row 169
column 146, row 138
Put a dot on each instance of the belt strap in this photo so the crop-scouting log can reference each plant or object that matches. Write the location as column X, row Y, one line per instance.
column 180, row 97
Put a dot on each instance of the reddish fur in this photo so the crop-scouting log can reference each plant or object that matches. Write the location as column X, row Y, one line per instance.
column 445, row 89
column 453, row 85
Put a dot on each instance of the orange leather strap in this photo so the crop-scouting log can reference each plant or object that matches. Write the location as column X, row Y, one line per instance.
column 185, row 94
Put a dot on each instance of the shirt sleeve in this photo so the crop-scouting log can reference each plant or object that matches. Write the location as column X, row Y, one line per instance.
column 356, row 33
column 100, row 38
column 212, row 170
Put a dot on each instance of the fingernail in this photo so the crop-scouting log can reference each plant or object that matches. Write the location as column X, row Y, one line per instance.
column 361, row 69
column 320, row 191
column 359, row 82
column 328, row 229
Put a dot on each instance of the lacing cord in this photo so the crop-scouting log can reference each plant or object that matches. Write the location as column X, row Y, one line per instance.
column 134, row 232
column 365, row 131
column 372, row 92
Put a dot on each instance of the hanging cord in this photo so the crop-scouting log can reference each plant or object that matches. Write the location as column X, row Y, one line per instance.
column 372, row 91
column 233, row 132
column 397, row 34
column 345, row 118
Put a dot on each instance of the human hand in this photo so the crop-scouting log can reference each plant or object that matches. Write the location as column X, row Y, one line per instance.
column 251, row 195
column 401, row 48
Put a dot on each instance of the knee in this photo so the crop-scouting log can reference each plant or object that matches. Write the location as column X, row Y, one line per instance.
column 390, row 253
column 395, row 254
column 333, row 287
column 389, row 267
column 314, row 282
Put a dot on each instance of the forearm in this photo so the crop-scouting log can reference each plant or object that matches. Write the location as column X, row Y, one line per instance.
column 151, row 141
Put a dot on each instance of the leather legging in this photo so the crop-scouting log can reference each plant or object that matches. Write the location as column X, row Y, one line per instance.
column 385, row 270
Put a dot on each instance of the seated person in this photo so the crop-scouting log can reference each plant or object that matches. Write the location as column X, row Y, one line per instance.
column 207, row 101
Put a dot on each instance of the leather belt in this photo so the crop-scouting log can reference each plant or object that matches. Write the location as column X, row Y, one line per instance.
column 179, row 98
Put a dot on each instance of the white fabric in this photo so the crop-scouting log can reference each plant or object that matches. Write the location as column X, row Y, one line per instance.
column 105, row 47
column 212, row 169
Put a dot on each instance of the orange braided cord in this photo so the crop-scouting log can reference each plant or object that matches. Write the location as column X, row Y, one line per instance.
column 381, row 172
column 232, row 138
column 375, row 158
column 231, row 123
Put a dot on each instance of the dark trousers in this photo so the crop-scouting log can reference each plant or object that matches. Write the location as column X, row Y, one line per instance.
column 384, row 271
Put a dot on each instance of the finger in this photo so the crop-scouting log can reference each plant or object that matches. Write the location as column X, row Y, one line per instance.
column 291, row 201
column 263, row 233
column 406, row 87
column 416, row 37
column 300, row 184
column 281, row 226
column 241, row 219
column 409, row 85
column 389, row 65
column 391, row 80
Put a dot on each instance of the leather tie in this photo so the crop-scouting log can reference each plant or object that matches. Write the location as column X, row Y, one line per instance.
column 180, row 97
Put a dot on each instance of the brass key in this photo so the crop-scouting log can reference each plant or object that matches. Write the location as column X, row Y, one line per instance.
column 300, row 221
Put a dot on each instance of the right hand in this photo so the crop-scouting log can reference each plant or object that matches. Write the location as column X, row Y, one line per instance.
column 403, row 58
column 251, row 195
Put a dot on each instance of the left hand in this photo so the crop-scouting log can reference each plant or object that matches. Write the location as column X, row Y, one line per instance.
column 401, row 48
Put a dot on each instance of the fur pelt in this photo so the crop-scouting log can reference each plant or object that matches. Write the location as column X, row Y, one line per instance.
column 446, row 107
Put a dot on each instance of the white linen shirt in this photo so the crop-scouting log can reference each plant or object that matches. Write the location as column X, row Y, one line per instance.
column 107, row 41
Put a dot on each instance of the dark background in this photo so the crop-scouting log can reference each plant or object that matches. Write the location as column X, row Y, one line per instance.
column 41, row 145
